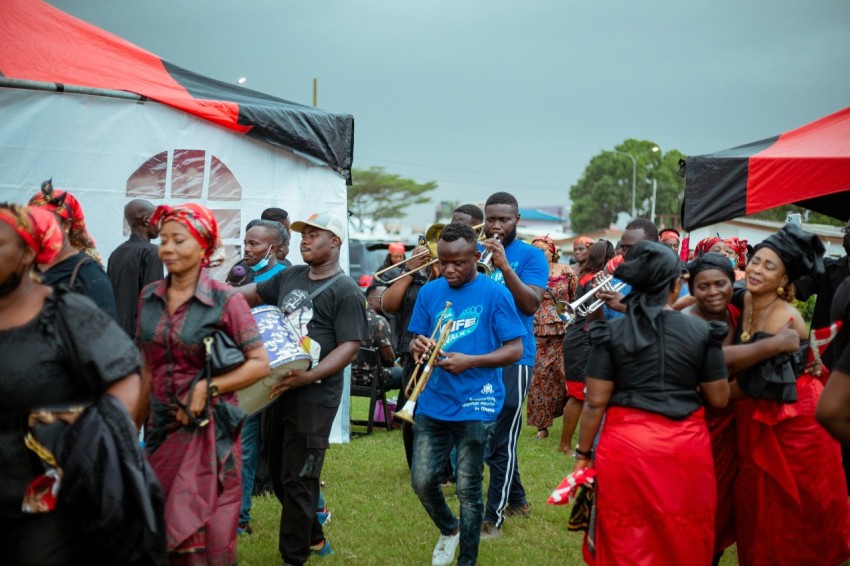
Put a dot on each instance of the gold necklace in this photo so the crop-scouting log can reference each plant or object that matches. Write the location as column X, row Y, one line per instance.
column 747, row 334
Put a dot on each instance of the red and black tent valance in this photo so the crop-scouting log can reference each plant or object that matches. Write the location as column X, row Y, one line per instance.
column 808, row 166
column 41, row 43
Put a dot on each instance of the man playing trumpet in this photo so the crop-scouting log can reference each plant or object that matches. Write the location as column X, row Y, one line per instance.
column 465, row 392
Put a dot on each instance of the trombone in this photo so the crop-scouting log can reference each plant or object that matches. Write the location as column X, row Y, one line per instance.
column 421, row 374
column 432, row 236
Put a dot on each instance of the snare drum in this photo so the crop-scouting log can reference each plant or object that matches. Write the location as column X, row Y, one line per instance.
column 285, row 354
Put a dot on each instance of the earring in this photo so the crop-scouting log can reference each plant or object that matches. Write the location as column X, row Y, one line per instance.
column 780, row 290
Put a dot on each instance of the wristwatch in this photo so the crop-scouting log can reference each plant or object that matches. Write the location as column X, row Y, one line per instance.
column 213, row 389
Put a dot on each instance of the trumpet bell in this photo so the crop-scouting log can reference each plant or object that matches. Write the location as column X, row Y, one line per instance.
column 406, row 412
column 483, row 269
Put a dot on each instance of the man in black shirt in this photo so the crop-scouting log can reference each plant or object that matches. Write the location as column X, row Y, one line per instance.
column 134, row 264
column 296, row 428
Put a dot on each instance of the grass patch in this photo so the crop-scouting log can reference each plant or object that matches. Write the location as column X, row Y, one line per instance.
column 377, row 519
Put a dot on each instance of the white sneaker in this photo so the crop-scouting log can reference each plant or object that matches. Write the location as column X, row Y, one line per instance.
column 444, row 552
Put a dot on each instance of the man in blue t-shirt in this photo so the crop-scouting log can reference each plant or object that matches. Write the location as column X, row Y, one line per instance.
column 524, row 271
column 461, row 401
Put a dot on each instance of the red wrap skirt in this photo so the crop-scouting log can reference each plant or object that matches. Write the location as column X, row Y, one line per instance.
column 791, row 496
column 724, row 449
column 656, row 494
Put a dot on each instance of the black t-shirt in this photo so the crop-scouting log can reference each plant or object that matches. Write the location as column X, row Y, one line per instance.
column 337, row 314
column 44, row 365
column 91, row 280
column 693, row 355
column 131, row 267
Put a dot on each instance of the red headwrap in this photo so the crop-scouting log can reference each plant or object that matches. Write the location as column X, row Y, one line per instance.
column 198, row 219
column 740, row 247
column 613, row 263
column 37, row 228
column 705, row 244
column 396, row 247
column 548, row 241
column 67, row 207
column 583, row 240
column 669, row 234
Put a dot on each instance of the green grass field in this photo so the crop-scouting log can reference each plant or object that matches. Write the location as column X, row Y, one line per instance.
column 377, row 519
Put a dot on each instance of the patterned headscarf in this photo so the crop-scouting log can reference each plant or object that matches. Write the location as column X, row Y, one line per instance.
column 613, row 263
column 740, row 248
column 550, row 243
column 37, row 228
column 669, row 234
column 67, row 207
column 706, row 244
column 199, row 220
column 582, row 240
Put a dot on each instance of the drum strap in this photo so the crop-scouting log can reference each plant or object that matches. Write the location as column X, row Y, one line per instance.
column 316, row 293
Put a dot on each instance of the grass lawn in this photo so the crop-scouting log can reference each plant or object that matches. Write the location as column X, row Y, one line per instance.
column 377, row 519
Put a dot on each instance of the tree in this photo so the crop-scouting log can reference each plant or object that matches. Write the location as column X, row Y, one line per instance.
column 376, row 195
column 605, row 188
column 781, row 213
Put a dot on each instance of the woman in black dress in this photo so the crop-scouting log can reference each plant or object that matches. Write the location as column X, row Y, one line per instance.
column 577, row 343
column 44, row 335
column 648, row 373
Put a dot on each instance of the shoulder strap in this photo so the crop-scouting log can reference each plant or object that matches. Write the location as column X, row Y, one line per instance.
column 77, row 267
column 324, row 286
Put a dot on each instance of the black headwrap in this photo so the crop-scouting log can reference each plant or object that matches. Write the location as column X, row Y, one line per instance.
column 800, row 251
column 710, row 260
column 649, row 268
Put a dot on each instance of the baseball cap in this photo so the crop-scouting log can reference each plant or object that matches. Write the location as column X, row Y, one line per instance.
column 324, row 221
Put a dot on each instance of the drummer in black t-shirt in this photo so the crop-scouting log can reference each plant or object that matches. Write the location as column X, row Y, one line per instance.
column 296, row 428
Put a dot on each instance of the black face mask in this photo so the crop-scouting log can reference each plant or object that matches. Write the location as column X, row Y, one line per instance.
column 11, row 283
column 847, row 243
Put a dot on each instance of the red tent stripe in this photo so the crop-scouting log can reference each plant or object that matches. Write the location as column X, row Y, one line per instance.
column 808, row 162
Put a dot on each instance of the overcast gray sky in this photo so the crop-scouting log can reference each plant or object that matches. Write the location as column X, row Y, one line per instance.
column 483, row 96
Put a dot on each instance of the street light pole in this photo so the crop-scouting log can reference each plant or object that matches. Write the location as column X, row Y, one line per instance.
column 634, row 180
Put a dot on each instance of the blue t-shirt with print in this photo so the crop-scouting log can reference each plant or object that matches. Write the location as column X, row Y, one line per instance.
column 531, row 267
column 277, row 268
column 483, row 317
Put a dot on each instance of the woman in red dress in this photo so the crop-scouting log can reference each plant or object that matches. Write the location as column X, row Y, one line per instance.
column 790, row 494
column 197, row 464
column 648, row 373
column 547, row 394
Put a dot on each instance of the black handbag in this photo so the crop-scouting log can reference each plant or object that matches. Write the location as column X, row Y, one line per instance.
column 225, row 355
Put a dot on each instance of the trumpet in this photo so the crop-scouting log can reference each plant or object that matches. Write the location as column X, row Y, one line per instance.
column 421, row 374
column 570, row 312
column 484, row 265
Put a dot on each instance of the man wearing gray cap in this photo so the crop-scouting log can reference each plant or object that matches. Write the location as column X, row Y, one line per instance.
column 327, row 307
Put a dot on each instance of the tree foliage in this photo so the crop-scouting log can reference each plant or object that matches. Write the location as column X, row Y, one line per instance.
column 376, row 195
column 781, row 213
column 605, row 188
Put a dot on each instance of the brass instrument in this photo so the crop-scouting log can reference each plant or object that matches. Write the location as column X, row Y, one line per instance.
column 484, row 265
column 421, row 374
column 432, row 236
column 570, row 312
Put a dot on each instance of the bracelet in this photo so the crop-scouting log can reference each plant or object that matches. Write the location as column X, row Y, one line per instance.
column 584, row 454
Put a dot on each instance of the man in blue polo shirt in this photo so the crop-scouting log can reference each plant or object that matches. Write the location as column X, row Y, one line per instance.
column 463, row 397
column 524, row 272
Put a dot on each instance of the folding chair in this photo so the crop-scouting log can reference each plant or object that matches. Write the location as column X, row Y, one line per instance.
column 375, row 392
